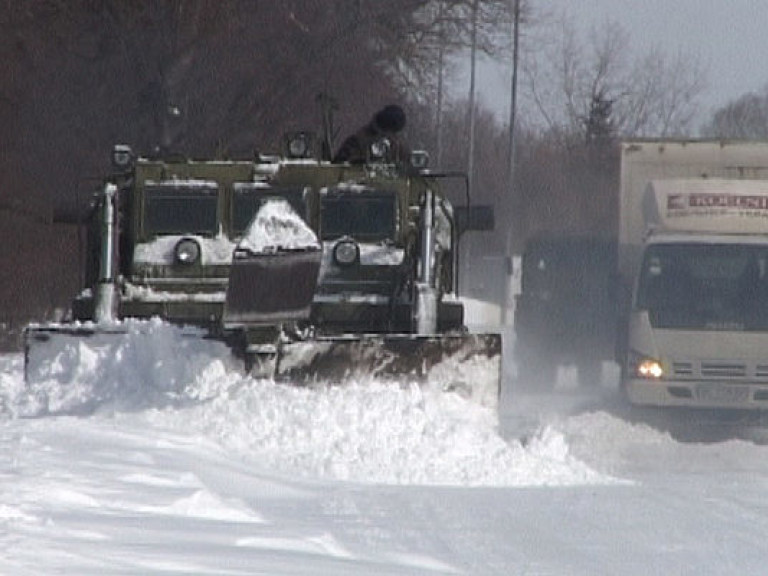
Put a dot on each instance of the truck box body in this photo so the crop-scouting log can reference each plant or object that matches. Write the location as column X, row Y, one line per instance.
column 645, row 160
column 694, row 247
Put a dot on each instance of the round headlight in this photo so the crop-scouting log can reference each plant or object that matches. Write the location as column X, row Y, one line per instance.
column 187, row 251
column 298, row 147
column 346, row 253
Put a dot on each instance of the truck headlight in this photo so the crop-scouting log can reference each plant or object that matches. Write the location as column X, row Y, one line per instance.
column 346, row 253
column 186, row 252
column 649, row 368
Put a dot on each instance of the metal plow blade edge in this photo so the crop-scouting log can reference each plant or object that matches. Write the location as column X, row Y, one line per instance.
column 467, row 364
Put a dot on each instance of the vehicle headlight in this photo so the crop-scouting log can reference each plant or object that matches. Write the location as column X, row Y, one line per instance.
column 419, row 159
column 122, row 157
column 187, row 251
column 346, row 253
column 649, row 368
column 299, row 145
column 380, row 149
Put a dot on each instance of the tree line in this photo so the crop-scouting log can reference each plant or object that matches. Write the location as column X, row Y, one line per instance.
column 222, row 78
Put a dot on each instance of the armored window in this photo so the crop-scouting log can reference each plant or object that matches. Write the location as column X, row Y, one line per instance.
column 363, row 214
column 181, row 207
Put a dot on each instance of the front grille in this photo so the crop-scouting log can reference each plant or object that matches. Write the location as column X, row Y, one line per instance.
column 682, row 369
column 761, row 371
column 723, row 370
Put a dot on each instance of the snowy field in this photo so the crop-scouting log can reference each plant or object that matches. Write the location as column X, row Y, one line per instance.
column 163, row 459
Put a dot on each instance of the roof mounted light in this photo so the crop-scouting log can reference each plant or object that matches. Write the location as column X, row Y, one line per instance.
column 380, row 149
column 187, row 252
column 122, row 157
column 420, row 159
column 299, row 145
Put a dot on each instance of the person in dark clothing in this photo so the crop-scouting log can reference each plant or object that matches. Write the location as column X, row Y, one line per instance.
column 386, row 123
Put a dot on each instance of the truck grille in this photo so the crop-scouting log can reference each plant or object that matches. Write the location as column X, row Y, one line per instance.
column 719, row 370
column 761, row 371
column 723, row 370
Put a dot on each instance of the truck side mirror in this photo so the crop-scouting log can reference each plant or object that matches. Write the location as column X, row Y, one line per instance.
column 479, row 218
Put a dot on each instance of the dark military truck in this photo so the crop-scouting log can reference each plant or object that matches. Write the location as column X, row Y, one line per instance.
column 565, row 314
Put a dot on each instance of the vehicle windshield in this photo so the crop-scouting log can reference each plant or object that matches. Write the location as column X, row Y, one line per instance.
column 181, row 209
column 364, row 215
column 705, row 286
column 248, row 198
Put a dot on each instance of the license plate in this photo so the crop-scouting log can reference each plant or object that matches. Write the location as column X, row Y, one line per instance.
column 722, row 393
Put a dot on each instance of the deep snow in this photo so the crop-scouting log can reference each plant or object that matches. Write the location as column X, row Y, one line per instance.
column 163, row 459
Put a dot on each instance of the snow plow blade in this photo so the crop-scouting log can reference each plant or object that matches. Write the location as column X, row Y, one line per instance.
column 468, row 364
column 286, row 296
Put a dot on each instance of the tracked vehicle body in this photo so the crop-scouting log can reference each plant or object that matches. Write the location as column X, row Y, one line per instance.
column 310, row 270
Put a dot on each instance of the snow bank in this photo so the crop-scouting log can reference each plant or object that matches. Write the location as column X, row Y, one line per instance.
column 128, row 365
column 377, row 433
column 369, row 432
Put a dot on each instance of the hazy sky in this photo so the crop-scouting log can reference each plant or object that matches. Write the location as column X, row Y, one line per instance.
column 730, row 37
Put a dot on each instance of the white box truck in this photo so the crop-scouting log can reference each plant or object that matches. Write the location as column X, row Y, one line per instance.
column 693, row 259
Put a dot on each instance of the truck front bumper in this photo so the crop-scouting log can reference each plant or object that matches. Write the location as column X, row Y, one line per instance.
column 698, row 393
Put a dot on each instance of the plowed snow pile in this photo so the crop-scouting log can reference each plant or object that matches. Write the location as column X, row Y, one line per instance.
column 156, row 376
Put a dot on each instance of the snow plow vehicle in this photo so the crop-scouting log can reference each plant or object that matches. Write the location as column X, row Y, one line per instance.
column 310, row 270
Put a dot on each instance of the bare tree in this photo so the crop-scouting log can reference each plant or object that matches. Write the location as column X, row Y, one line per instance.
column 662, row 95
column 745, row 118
column 654, row 94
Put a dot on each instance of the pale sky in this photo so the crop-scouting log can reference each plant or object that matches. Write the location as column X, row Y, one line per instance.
column 730, row 37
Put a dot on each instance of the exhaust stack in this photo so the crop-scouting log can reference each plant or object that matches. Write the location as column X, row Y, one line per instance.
column 425, row 309
column 106, row 298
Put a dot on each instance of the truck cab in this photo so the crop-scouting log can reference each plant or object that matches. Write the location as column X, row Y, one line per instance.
column 698, row 324
column 565, row 312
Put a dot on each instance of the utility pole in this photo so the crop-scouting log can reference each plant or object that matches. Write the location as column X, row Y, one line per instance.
column 473, row 65
column 440, row 70
column 471, row 153
column 511, row 200
column 513, row 98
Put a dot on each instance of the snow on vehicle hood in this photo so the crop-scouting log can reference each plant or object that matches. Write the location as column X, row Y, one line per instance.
column 277, row 226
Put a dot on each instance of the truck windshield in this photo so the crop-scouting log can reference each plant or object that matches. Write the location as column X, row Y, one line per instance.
column 364, row 215
column 705, row 286
column 179, row 208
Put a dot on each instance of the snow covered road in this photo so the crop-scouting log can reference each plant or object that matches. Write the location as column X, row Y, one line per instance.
column 225, row 475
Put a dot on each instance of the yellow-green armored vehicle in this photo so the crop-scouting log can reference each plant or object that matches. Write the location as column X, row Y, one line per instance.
column 310, row 268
